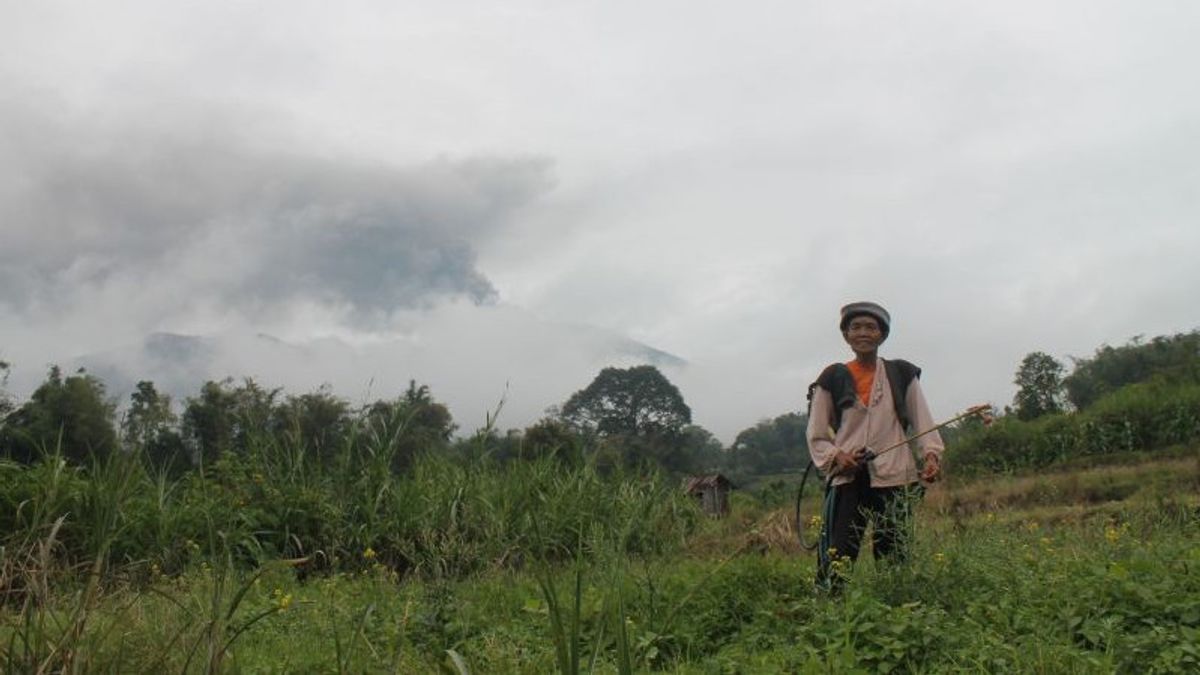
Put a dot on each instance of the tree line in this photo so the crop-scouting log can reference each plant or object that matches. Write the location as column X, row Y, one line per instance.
column 1045, row 388
column 626, row 417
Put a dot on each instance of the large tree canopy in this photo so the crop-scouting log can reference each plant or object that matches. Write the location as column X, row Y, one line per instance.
column 637, row 401
column 1039, row 386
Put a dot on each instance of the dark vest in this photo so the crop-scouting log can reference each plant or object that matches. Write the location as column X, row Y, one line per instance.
column 837, row 380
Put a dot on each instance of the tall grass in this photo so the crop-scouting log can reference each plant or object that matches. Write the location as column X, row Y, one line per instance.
column 72, row 535
column 63, row 526
column 439, row 518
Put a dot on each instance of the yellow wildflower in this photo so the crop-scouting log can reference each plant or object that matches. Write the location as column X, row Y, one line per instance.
column 282, row 600
column 1113, row 533
column 369, row 553
column 840, row 567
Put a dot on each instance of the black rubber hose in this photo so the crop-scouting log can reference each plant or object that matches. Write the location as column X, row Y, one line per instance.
column 800, row 500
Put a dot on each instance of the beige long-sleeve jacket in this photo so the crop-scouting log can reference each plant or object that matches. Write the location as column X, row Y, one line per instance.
column 873, row 426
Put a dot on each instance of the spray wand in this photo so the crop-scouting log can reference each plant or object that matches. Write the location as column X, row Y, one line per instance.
column 983, row 410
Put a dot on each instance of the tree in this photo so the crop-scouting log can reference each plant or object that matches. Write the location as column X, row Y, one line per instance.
column 227, row 419
column 637, row 415
column 208, row 422
column 316, row 421
column 637, row 401
column 409, row 425
column 551, row 437
column 771, row 446
column 72, row 414
column 701, row 451
column 148, row 415
column 1039, row 383
column 149, row 426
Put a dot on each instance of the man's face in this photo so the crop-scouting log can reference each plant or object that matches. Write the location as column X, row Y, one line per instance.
column 863, row 335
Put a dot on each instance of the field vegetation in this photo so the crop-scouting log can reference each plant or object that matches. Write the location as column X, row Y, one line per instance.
column 257, row 532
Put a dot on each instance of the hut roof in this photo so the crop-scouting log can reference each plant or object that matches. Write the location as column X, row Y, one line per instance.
column 715, row 480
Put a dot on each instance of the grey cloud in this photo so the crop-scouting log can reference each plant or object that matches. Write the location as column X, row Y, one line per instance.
column 1004, row 177
column 257, row 228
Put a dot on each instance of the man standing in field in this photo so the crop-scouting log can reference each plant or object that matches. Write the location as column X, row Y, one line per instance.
column 855, row 409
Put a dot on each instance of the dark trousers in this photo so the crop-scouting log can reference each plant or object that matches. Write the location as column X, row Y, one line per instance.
column 848, row 509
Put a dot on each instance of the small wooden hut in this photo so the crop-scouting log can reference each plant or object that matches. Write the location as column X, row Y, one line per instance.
column 711, row 492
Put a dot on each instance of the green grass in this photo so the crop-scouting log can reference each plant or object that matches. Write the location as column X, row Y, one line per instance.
column 1058, row 576
column 1027, row 596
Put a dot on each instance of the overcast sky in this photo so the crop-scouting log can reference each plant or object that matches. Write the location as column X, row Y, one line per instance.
column 712, row 179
